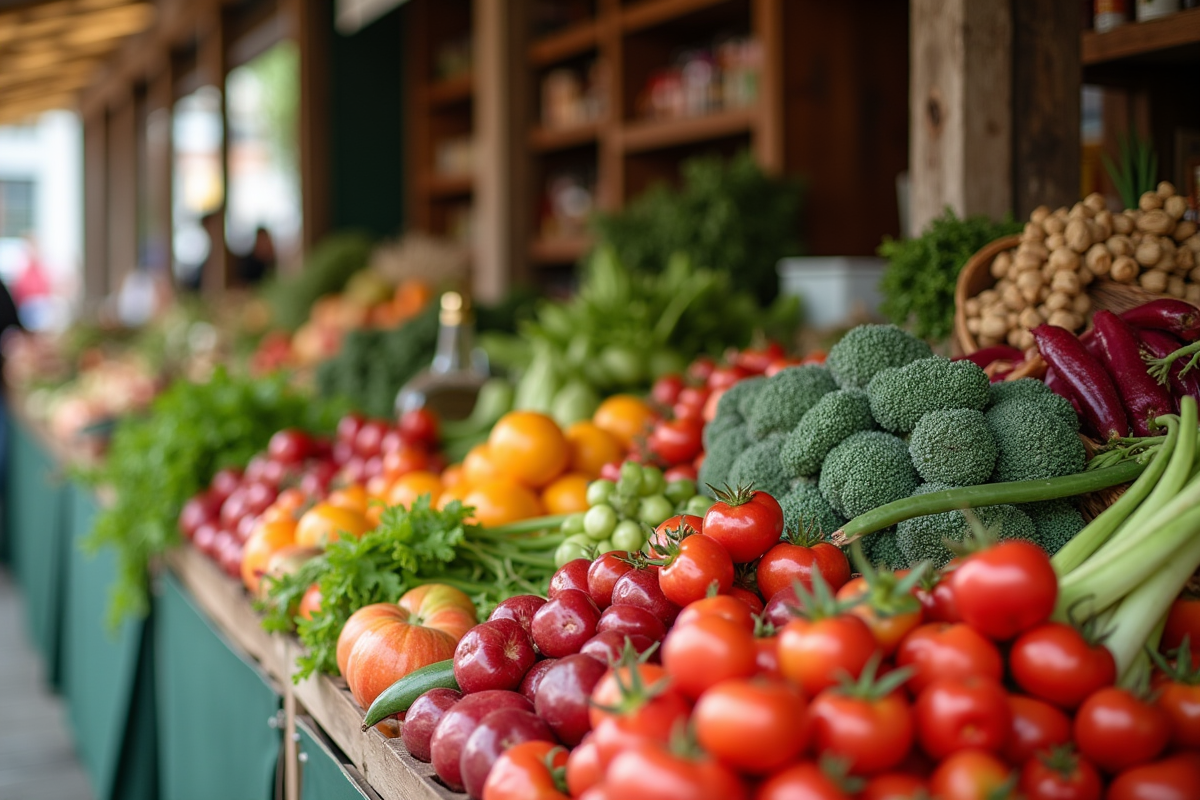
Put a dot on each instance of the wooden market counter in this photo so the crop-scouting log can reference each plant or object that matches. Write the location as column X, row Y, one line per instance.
column 196, row 700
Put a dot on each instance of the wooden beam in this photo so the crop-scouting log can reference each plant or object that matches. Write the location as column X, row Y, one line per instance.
column 768, row 136
column 95, row 207
column 310, row 20
column 960, row 95
column 160, row 162
column 122, row 192
column 212, row 68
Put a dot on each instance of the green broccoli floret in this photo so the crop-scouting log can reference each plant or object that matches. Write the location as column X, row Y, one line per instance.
column 718, row 459
column 1046, row 400
column 867, row 349
column 1024, row 387
column 719, row 425
column 1033, row 441
column 804, row 507
column 1056, row 522
column 834, row 417
column 759, row 466
column 867, row 470
column 737, row 399
column 923, row 538
column 954, row 447
column 883, row 550
column 786, row 397
column 902, row 395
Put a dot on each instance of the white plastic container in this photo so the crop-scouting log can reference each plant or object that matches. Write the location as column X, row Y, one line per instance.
column 1153, row 9
column 833, row 290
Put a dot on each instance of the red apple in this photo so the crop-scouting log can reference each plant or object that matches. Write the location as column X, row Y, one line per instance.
column 607, row 646
column 639, row 587
column 494, row 655
column 422, row 717
column 602, row 576
column 369, row 439
column 204, row 507
column 456, row 726
column 571, row 575
column 627, row 620
column 224, row 482
column 533, row 678
column 520, row 609
column 498, row 731
column 562, row 697
column 562, row 625
column 289, row 446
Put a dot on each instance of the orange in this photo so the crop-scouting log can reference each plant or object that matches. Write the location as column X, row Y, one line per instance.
column 377, row 488
column 267, row 538
column 352, row 498
column 626, row 417
column 408, row 488
column 457, row 492
column 567, row 494
column 323, row 522
column 591, row 448
column 528, row 447
column 452, row 475
column 477, row 467
column 502, row 500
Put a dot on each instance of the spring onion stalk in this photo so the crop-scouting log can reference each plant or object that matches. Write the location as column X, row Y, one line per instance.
column 988, row 494
column 1088, row 540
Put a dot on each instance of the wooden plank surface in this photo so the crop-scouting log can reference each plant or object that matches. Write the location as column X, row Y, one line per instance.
column 1142, row 38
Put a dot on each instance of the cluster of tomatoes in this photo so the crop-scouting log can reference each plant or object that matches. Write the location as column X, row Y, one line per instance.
column 955, row 685
column 687, row 402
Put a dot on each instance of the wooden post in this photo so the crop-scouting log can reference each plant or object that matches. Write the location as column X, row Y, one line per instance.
column 211, row 63
column 160, row 159
column 310, row 22
column 95, row 206
column 768, row 138
column 960, row 95
column 122, row 190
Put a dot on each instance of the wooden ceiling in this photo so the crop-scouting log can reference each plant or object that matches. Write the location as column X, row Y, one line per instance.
column 50, row 50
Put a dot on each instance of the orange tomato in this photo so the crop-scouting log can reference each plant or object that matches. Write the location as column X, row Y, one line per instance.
column 323, row 522
column 264, row 542
column 457, row 492
column 405, row 460
column 566, row 495
column 352, row 497
column 501, row 500
column 529, row 447
column 626, row 417
column 310, row 603
column 407, row 488
column 477, row 467
column 452, row 475
column 592, row 447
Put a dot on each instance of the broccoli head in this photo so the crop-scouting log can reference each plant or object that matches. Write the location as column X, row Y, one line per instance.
column 902, row 395
column 719, row 425
column 924, row 538
column 718, row 459
column 1044, row 399
column 834, row 417
column 882, row 549
column 758, row 466
column 1056, row 522
column 1024, row 387
column 805, row 507
column 867, row 349
column 954, row 447
column 786, row 397
column 736, row 400
column 867, row 470
column 1033, row 441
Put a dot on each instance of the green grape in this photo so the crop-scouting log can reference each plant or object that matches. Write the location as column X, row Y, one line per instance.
column 655, row 509
column 569, row 551
column 573, row 524
column 630, row 482
column 604, row 546
column 652, row 481
column 628, row 536
column 598, row 491
column 698, row 505
column 680, row 491
column 599, row 521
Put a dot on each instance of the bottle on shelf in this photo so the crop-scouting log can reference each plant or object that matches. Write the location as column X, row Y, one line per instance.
column 450, row 385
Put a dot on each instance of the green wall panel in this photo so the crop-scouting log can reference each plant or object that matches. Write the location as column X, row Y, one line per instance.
column 322, row 776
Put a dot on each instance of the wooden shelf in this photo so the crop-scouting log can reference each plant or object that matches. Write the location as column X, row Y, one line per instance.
column 547, row 140
column 449, row 185
column 640, row 137
column 1136, row 39
column 649, row 13
column 558, row 251
column 450, row 91
column 571, row 41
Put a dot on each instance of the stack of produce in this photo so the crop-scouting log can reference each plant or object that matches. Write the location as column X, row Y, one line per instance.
column 1047, row 277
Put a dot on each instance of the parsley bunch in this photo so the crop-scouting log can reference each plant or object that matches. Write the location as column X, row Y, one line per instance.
column 410, row 547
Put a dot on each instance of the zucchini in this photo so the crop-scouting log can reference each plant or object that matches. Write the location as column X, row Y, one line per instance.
column 399, row 697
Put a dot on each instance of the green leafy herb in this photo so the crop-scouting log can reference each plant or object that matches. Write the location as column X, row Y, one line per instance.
column 918, row 285
column 1137, row 172
column 160, row 459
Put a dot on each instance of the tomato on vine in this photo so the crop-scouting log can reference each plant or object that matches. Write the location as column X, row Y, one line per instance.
column 634, row 701
column 1005, row 589
column 823, row 641
column 1117, row 729
column 707, row 651
column 1060, row 774
column 1183, row 620
column 527, row 771
column 885, row 602
column 1062, row 664
column 651, row 771
column 746, row 522
column 865, row 722
column 754, row 725
column 962, row 714
column 795, row 558
column 692, row 566
column 1178, row 695
column 1036, row 726
column 947, row 650
column 970, row 775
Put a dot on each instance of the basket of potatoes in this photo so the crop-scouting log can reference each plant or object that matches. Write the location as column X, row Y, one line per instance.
column 1067, row 262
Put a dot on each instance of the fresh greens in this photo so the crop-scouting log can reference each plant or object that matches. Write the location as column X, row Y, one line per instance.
column 918, row 286
column 1137, row 171
column 160, row 459
column 326, row 270
column 409, row 548
column 728, row 216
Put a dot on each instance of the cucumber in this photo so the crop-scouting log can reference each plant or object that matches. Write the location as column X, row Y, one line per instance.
column 400, row 696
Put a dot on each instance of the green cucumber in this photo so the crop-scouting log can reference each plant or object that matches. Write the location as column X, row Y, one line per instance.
column 399, row 697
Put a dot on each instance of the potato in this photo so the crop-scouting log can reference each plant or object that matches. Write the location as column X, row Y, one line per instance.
column 1183, row 230
column 1185, row 259
column 1175, row 206
column 1176, row 287
column 1154, row 280
column 1099, row 259
column 1122, row 223
column 1082, row 304
column 1097, row 232
column 1057, row 300
column 1030, row 318
column 1148, row 253
column 1150, row 201
column 1085, row 276
column 1193, row 242
column 1156, row 221
column 1064, row 259
column 1066, row 319
column 1065, row 282
column 1124, row 270
column 1105, row 219
column 1080, row 212
column 973, row 324
column 1095, row 201
column 1033, row 232
column 1165, row 189
column 972, row 307
column 1039, row 215
column 1054, row 224
column 1011, row 319
column 1013, row 299
column 994, row 326
column 1055, row 241
column 1119, row 245
column 1192, row 294
column 1078, row 237
column 988, row 297
column 1023, row 261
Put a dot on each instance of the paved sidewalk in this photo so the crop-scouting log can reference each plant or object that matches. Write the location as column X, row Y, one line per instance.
column 37, row 756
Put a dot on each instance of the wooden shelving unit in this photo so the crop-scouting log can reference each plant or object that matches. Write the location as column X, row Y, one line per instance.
column 1175, row 38
column 558, row 250
column 642, row 137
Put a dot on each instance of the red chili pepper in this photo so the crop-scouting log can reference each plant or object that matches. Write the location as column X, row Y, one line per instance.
column 1174, row 316
column 1145, row 398
column 999, row 352
column 1056, row 385
column 1085, row 378
column 1159, row 344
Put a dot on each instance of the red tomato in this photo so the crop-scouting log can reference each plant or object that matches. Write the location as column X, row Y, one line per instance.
column 889, row 617
column 677, row 441
column 969, row 775
column 699, row 563
column 349, row 426
column 290, row 446
column 937, row 598
column 766, row 655
column 748, row 524
column 894, row 786
column 1056, row 663
column 700, row 368
column 665, row 390
column 523, row 772
column 583, row 767
column 963, row 714
column 1061, row 775
column 748, row 597
column 709, row 650
column 651, row 772
column 788, row 562
column 755, row 726
column 1174, row 778
column 680, row 472
column 757, row 360
column 623, row 717
column 944, row 650
column 1183, row 620
column 1181, row 703
column 801, row 782
column 691, row 403
column 724, row 377
column 680, row 525
column 814, row 653
column 419, row 426
column 1116, row 730
column 1006, row 589
column 871, row 734
column 1036, row 726
column 722, row 605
